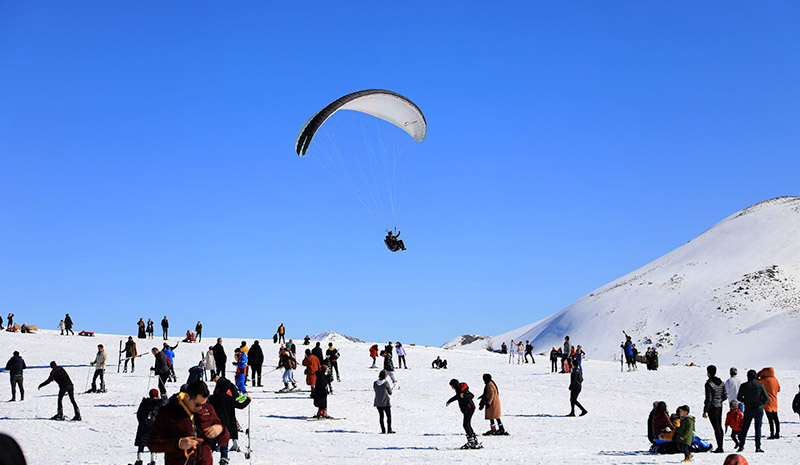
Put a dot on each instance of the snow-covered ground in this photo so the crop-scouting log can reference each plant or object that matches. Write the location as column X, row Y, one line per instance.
column 534, row 403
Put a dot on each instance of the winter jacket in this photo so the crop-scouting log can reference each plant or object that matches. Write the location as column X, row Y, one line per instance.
column 567, row 349
column 170, row 355
column 317, row 352
column 320, row 393
column 68, row 322
column 796, row 404
column 225, row 406
column 130, row 349
column 332, row 354
column 100, row 360
column 661, row 422
column 767, row 377
column 148, row 410
column 685, row 432
column 281, row 330
column 198, row 328
column 628, row 349
column 464, row 398
column 150, row 327
column 311, row 362
column 255, row 357
column 491, row 401
column 715, row 394
column 219, row 355
column 732, row 387
column 553, row 355
column 210, row 363
column 164, row 323
column 734, row 419
column 373, row 351
column 752, row 394
column 173, row 422
column 575, row 380
column 401, row 351
column 388, row 364
column 162, row 364
column 15, row 365
column 286, row 361
column 60, row 376
column 383, row 391
column 241, row 363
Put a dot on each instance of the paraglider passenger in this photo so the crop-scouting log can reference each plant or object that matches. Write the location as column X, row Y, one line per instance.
column 393, row 243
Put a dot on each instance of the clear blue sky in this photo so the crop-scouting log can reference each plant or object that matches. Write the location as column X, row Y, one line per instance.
column 147, row 164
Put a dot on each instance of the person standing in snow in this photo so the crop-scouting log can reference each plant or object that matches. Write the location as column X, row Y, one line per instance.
column 401, row 355
column 146, row 416
column 161, row 370
column 220, row 358
column 627, row 349
column 150, row 329
column 209, row 364
column 712, row 407
column 575, row 386
column 170, row 354
column 529, row 351
column 255, row 358
column 287, row 361
column 312, row 364
column 634, row 356
column 141, row 332
column 383, row 392
column 60, row 376
column 565, row 355
column 320, row 392
column 734, row 420
column 553, row 360
column 796, row 405
column 241, row 368
column 388, row 366
column 130, row 354
column 373, row 352
column 10, row 318
column 68, row 325
column 225, row 405
column 14, row 367
column 464, row 398
column 754, row 396
column 490, row 399
column 317, row 352
column 61, row 326
column 684, row 435
column 732, row 385
column 332, row 354
column 767, row 377
column 100, row 368
column 165, row 327
column 519, row 348
column 282, row 334
column 198, row 331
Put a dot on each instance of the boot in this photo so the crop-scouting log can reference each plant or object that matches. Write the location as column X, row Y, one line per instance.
column 224, row 461
column 501, row 431
column 57, row 416
column 77, row 416
column 491, row 432
column 138, row 462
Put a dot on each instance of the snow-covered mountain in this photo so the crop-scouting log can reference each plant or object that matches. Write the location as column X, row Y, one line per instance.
column 731, row 295
column 333, row 336
column 463, row 340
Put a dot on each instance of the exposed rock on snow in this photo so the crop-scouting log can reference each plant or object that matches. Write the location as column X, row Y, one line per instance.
column 463, row 340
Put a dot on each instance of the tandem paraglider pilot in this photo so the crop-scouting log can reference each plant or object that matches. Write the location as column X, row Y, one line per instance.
column 393, row 243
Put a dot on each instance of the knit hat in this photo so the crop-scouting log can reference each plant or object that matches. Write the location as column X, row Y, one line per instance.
column 154, row 393
column 734, row 404
column 735, row 459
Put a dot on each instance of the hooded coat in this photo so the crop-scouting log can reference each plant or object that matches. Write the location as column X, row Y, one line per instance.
column 311, row 362
column 225, row 406
column 146, row 414
column 173, row 423
column 383, row 391
column 491, row 401
column 685, row 432
column 767, row 377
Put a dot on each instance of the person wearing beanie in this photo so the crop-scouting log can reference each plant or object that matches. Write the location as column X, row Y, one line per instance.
column 490, row 399
column 146, row 416
column 754, row 397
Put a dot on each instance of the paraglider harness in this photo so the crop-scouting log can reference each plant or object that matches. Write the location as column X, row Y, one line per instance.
column 391, row 241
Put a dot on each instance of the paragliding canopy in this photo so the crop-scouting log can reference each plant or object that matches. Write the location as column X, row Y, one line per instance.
column 384, row 104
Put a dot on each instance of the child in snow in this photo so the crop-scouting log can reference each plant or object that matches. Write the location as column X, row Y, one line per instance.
column 734, row 419
column 464, row 398
column 684, row 435
column 146, row 415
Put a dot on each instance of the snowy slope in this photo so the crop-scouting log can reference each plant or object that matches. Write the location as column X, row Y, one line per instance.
column 533, row 404
column 730, row 295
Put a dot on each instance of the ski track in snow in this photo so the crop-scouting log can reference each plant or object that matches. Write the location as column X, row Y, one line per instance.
column 534, row 403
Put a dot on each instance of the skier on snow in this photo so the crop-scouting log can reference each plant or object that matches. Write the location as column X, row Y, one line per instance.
column 225, row 406
column 60, row 376
column 464, row 398
column 100, row 369
column 289, row 364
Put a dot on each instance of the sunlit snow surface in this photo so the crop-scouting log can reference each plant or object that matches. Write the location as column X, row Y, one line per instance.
column 534, row 403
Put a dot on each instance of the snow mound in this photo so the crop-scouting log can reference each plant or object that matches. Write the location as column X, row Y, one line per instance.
column 333, row 336
column 731, row 295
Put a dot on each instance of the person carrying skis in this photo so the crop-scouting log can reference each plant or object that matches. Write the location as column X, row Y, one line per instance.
column 165, row 327
column 401, row 355
column 14, row 367
column 383, row 392
column 100, row 368
column 320, row 392
column 60, row 376
column 161, row 369
column 575, row 386
column 241, row 368
column 332, row 355
column 464, row 399
column 146, row 416
column 287, row 361
column 130, row 354
column 490, row 399
column 220, row 358
column 312, row 364
column 373, row 352
column 712, row 407
column 225, row 406
column 281, row 334
column 184, row 428
column 553, row 360
column 255, row 359
column 68, row 325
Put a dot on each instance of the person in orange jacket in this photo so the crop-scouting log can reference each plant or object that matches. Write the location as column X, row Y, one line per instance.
column 312, row 364
column 767, row 377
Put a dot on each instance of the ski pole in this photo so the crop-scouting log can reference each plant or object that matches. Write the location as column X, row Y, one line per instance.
column 86, row 385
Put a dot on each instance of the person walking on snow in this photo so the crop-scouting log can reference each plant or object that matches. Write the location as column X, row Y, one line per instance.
column 60, row 376
column 320, row 392
column 225, row 405
column 332, row 354
column 401, row 355
column 68, row 325
column 220, row 358
column 767, row 377
column 161, row 370
column 754, row 396
column 312, row 364
column 170, row 354
column 388, row 366
column 490, row 399
column 281, row 334
column 734, row 419
column 61, row 326
column 529, row 351
column 287, row 361
column 712, row 407
column 373, row 352
column 464, row 398
column 165, row 327
column 553, row 360
column 100, row 368
column 684, row 435
column 14, row 367
column 130, row 354
column 383, row 392
column 575, row 386
column 241, row 368
column 146, row 416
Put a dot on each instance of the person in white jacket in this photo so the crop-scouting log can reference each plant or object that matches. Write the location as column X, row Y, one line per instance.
column 99, row 369
column 209, row 364
column 732, row 385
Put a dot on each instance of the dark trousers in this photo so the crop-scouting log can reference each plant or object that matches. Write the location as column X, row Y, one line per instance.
column 99, row 373
column 221, row 370
column 71, row 392
column 335, row 367
column 166, row 332
column 468, row 422
column 133, row 364
column 256, row 373
column 553, row 366
column 715, row 417
column 199, row 336
column 162, row 383
column 736, row 436
column 684, row 448
column 573, row 401
column 756, row 415
column 401, row 362
column 388, row 412
column 282, row 338
column 16, row 380
column 774, row 424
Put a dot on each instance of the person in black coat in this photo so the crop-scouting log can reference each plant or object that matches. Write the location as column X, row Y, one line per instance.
column 320, row 393
column 161, row 369
column 68, row 324
column 575, row 386
column 165, row 327
column 14, row 368
column 255, row 358
column 226, row 385
column 465, row 402
column 317, row 350
column 60, row 376
column 220, row 359
column 146, row 415
column 12, row 453
column 716, row 396
column 226, row 405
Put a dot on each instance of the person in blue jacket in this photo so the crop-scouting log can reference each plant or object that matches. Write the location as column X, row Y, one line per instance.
column 241, row 368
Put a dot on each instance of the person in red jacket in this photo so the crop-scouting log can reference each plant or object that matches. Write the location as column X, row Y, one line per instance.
column 373, row 352
column 734, row 419
column 184, row 427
